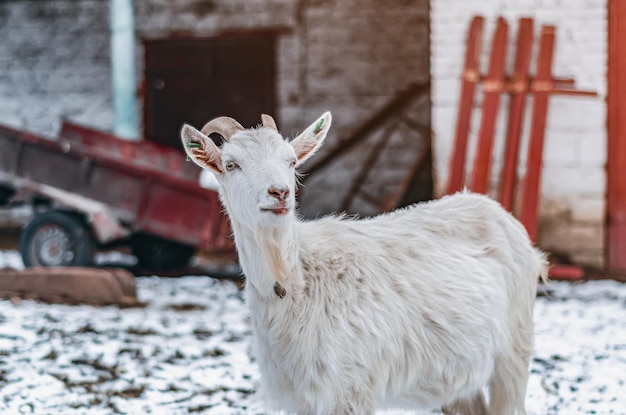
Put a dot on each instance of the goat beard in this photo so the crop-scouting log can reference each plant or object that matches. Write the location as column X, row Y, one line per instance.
column 274, row 246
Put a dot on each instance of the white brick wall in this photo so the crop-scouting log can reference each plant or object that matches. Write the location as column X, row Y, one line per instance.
column 574, row 177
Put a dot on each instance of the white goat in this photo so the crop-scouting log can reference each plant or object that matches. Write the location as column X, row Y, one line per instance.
column 421, row 308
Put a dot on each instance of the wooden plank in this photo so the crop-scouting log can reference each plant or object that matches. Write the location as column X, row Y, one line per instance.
column 470, row 78
column 519, row 81
column 368, row 165
column 493, row 86
column 616, row 197
column 392, row 201
column 574, row 92
column 532, row 179
column 362, row 132
column 71, row 285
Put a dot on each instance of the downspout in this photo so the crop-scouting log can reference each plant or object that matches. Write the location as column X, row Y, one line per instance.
column 123, row 69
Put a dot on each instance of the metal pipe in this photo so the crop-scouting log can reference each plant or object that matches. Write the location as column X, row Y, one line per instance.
column 123, row 69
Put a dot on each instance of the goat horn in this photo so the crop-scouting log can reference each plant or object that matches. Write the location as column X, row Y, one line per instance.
column 268, row 122
column 224, row 126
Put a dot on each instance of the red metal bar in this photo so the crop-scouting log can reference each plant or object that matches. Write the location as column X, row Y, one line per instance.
column 532, row 179
column 470, row 78
column 566, row 272
column 492, row 88
column 616, row 195
column 519, row 81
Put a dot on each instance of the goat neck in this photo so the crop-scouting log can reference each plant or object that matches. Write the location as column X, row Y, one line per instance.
column 268, row 256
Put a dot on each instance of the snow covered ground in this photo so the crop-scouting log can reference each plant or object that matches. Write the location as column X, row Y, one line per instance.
column 187, row 351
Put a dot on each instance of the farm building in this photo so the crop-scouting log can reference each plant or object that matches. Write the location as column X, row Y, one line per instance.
column 390, row 72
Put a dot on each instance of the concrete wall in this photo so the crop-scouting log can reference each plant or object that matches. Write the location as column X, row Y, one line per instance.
column 574, row 178
column 54, row 63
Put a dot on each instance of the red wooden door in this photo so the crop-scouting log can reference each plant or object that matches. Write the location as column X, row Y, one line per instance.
column 194, row 80
column 616, row 198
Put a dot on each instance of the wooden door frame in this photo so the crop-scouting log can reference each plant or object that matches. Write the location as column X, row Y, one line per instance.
column 616, row 124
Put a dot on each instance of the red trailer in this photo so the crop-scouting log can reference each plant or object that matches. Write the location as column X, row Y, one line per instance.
column 93, row 191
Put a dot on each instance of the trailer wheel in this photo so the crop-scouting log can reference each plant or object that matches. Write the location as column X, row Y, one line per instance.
column 158, row 254
column 56, row 238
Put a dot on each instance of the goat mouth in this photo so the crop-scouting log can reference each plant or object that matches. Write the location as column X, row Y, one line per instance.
column 278, row 211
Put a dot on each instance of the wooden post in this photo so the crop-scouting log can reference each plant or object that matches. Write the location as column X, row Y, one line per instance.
column 493, row 86
column 518, row 90
column 470, row 78
column 542, row 87
column 616, row 195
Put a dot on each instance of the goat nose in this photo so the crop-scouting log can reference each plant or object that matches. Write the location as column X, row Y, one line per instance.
column 279, row 193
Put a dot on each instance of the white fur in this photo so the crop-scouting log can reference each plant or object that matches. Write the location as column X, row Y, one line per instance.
column 420, row 308
column 208, row 181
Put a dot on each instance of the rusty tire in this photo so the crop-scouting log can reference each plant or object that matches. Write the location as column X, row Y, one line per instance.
column 56, row 238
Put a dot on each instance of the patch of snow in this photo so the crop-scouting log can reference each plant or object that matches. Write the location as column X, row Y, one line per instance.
column 15, row 216
column 579, row 363
column 11, row 259
column 115, row 257
column 188, row 351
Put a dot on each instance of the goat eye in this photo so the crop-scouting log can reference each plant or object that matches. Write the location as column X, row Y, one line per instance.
column 231, row 165
column 293, row 163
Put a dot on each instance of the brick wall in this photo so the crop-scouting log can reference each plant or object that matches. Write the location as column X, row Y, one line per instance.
column 54, row 63
column 574, row 177
column 377, row 49
column 348, row 56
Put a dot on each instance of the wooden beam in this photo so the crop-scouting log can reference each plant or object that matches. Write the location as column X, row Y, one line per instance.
column 368, row 164
column 470, row 78
column 398, row 103
column 492, row 88
column 532, row 179
column 616, row 195
column 516, row 112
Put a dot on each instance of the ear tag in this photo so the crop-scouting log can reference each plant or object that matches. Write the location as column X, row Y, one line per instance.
column 192, row 145
column 318, row 127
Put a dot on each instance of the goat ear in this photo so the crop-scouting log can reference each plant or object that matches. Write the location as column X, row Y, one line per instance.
column 201, row 149
column 311, row 139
